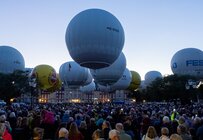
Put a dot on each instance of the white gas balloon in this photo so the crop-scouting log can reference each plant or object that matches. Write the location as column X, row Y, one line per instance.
column 188, row 61
column 123, row 82
column 10, row 60
column 94, row 38
column 88, row 88
column 151, row 76
column 111, row 74
column 72, row 74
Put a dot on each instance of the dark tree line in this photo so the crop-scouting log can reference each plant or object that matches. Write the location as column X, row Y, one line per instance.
column 169, row 88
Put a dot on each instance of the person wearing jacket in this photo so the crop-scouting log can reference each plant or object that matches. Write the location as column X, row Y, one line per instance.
column 122, row 134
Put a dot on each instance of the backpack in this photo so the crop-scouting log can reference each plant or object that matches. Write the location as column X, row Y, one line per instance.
column 48, row 117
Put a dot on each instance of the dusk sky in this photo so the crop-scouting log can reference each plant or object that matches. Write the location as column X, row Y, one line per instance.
column 154, row 29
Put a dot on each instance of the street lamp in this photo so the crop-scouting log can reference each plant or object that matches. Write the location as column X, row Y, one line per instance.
column 32, row 84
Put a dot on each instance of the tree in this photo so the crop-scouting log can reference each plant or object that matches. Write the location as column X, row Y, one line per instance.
column 169, row 88
column 13, row 85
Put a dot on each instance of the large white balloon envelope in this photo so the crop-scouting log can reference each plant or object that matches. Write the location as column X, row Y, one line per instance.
column 94, row 38
column 111, row 74
column 10, row 60
column 151, row 76
column 88, row 88
column 123, row 82
column 188, row 61
column 72, row 74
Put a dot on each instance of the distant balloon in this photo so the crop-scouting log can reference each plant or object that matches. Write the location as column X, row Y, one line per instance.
column 94, row 38
column 72, row 74
column 45, row 76
column 135, row 82
column 188, row 61
column 88, row 88
column 10, row 60
column 151, row 76
column 123, row 82
column 111, row 74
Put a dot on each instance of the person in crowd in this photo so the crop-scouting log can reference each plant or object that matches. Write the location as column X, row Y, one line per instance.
column 151, row 134
column 38, row 133
column 65, row 117
column 164, row 133
column 97, row 135
column 74, row 133
column 106, row 127
column 199, row 132
column 4, row 134
column 175, row 137
column 22, row 131
column 12, row 119
column 61, row 125
column 92, row 126
column 128, row 130
column 182, row 131
column 78, row 119
column 174, row 115
column 99, row 121
column 174, row 125
column 114, row 135
column 196, row 123
column 181, row 120
column 167, row 123
column 146, row 122
column 19, row 122
column 48, row 123
column 122, row 134
column 83, row 129
column 7, row 123
column 63, row 134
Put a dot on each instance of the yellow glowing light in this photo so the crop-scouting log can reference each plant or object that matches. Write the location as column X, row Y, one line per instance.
column 75, row 100
column 40, row 100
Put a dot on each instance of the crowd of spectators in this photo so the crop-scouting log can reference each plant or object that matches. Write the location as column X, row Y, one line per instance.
column 103, row 121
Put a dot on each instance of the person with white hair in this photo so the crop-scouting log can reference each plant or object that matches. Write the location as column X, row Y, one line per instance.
column 122, row 134
column 166, row 119
column 114, row 134
column 63, row 134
